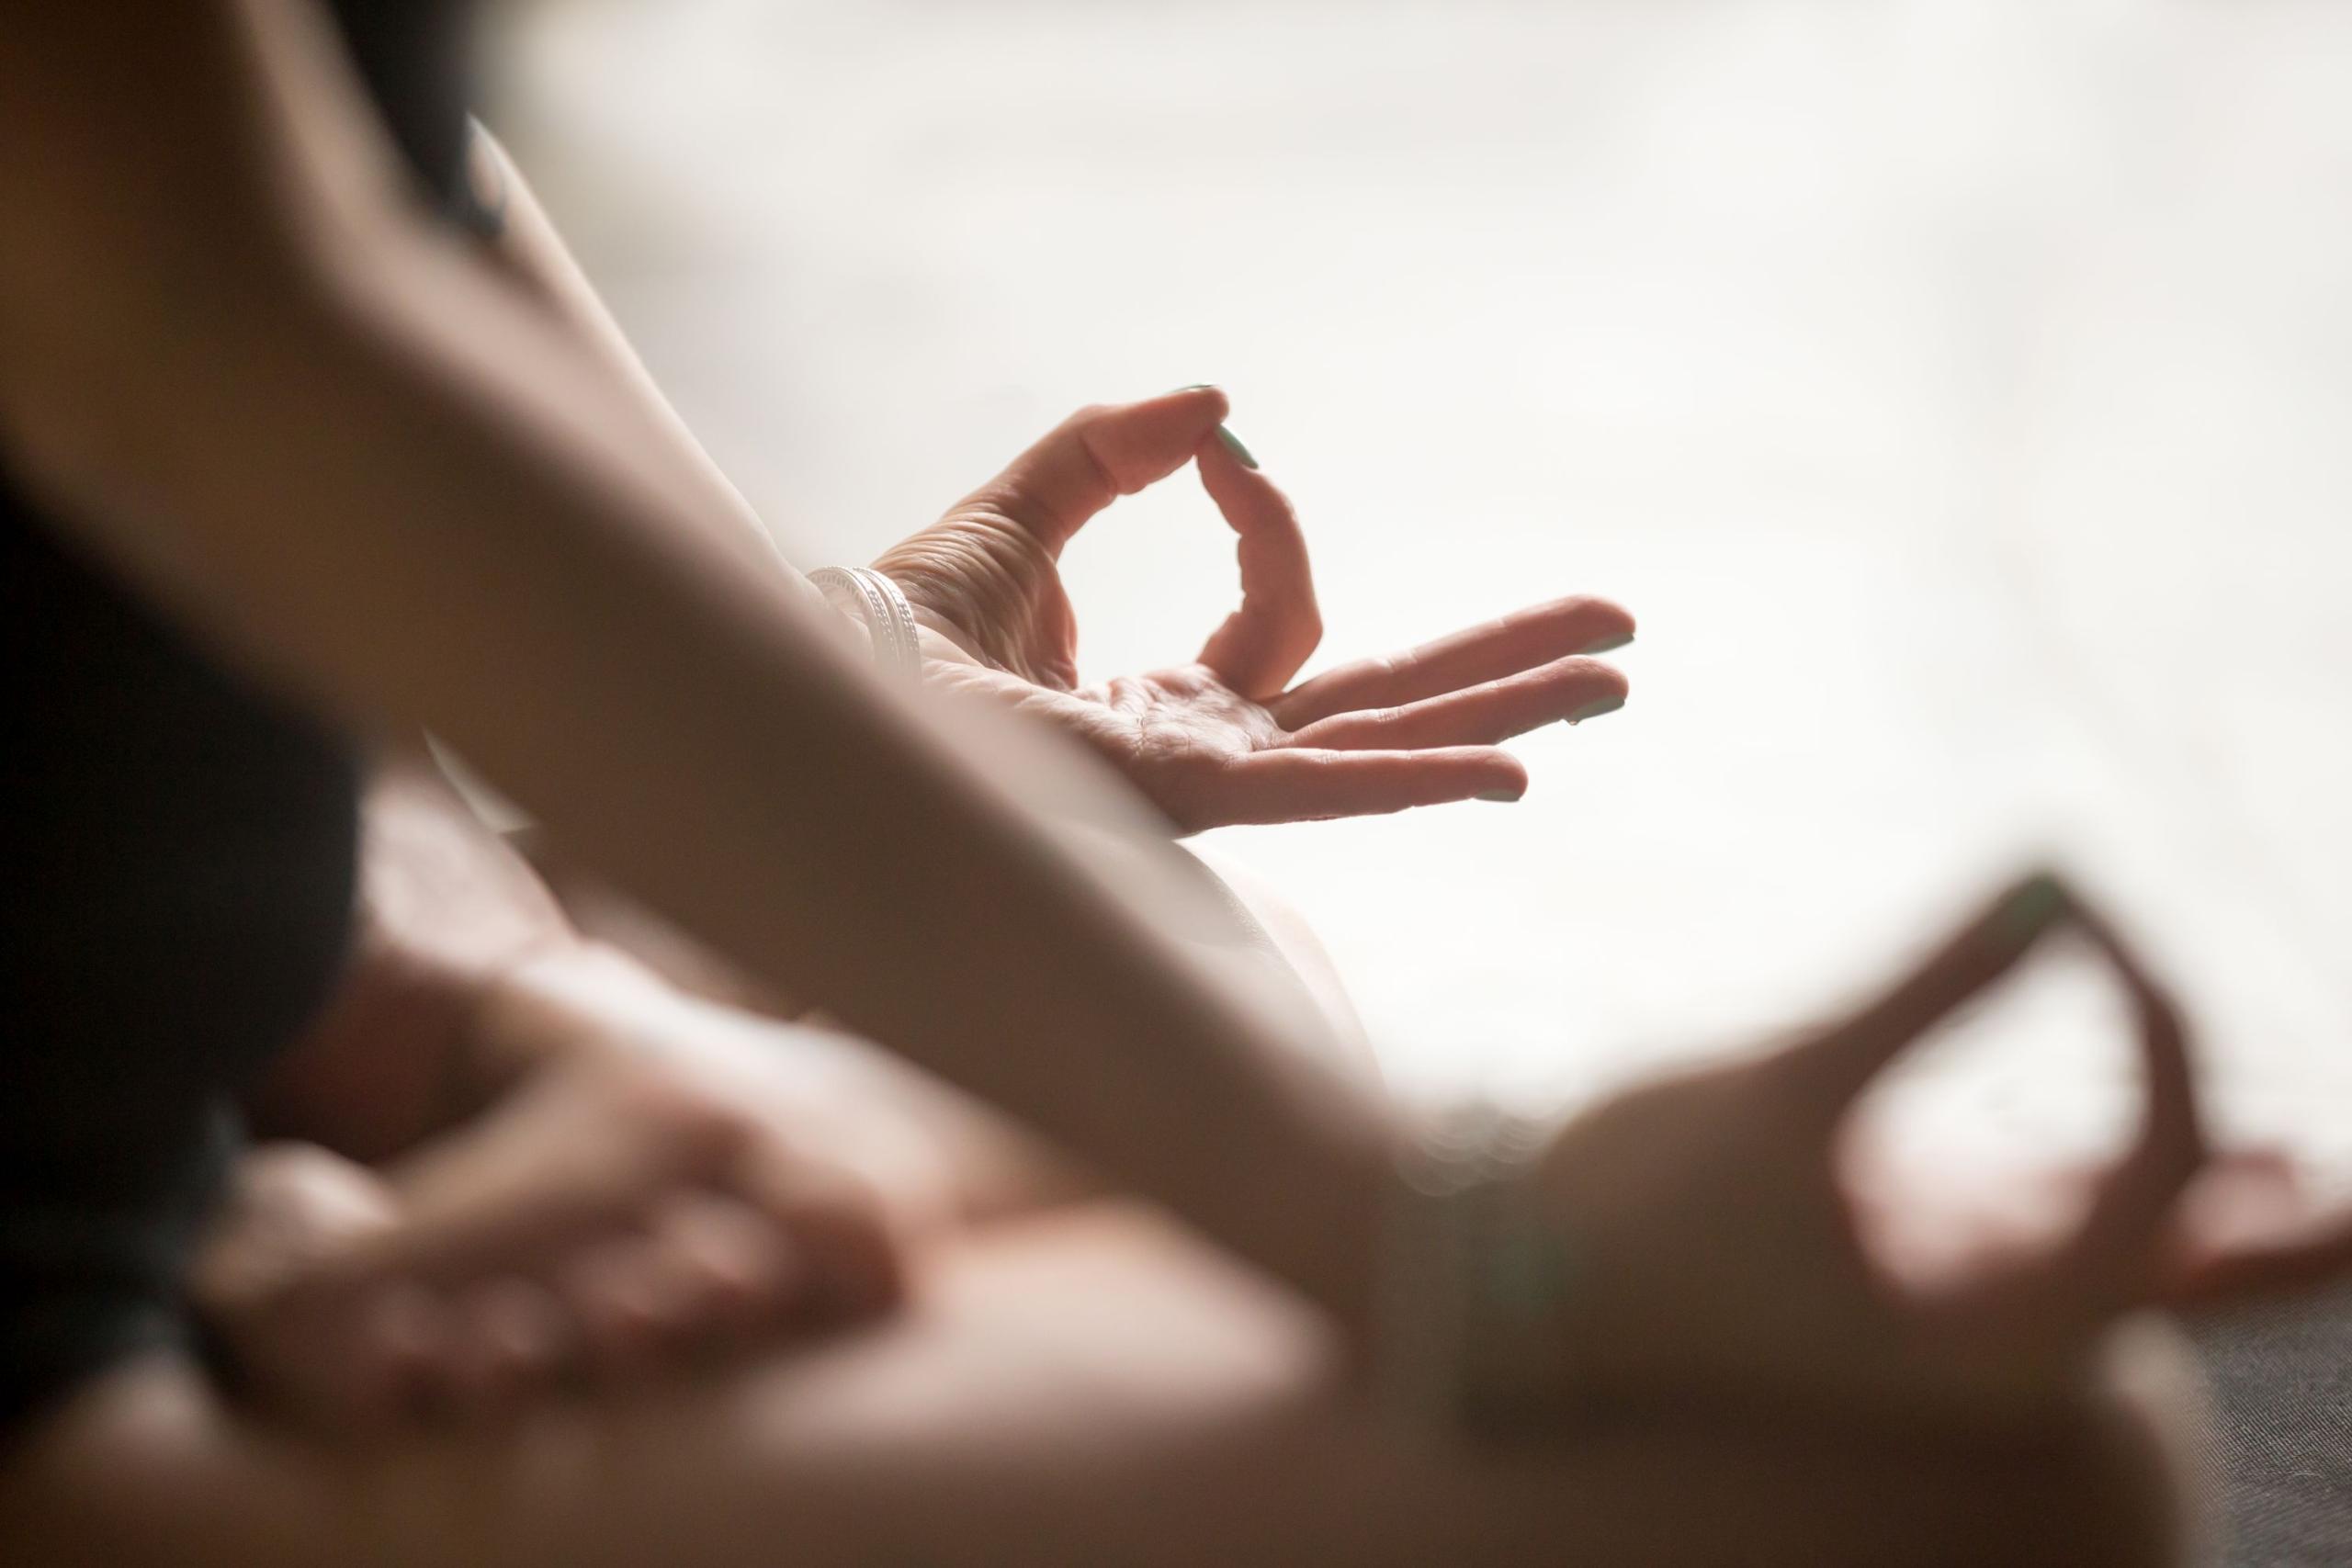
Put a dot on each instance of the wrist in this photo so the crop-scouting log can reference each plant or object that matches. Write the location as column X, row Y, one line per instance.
column 882, row 609
column 843, row 619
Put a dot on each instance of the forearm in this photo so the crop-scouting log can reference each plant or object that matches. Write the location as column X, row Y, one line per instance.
column 533, row 254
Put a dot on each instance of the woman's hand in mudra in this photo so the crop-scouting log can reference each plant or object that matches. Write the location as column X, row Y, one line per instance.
column 1225, row 738
column 1718, row 1244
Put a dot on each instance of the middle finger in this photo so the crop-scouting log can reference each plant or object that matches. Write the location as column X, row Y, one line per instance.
column 1570, row 689
column 1489, row 652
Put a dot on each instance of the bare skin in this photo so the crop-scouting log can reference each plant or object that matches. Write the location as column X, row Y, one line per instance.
column 1197, row 1360
column 1227, row 739
column 1147, row 1429
column 523, row 1158
column 1120, row 1409
column 1092, row 1390
column 608, row 1222
column 340, row 316
column 1157, row 1388
column 719, row 755
column 577, row 1172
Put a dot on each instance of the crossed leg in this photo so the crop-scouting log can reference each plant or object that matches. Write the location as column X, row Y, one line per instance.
column 1088, row 1388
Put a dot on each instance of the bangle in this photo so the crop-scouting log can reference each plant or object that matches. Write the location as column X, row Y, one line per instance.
column 1470, row 1334
column 888, row 618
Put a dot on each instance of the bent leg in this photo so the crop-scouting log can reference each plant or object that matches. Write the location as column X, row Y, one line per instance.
column 1089, row 1389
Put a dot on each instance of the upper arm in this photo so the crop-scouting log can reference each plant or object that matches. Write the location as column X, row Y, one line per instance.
column 168, row 172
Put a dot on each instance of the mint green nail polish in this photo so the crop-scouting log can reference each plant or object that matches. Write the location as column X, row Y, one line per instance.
column 1500, row 795
column 1595, row 708
column 2030, row 909
column 1608, row 644
column 1233, row 445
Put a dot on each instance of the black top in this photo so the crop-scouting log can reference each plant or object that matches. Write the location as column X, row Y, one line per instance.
column 178, row 851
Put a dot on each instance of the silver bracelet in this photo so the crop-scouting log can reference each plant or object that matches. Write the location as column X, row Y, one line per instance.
column 1470, row 1335
column 888, row 617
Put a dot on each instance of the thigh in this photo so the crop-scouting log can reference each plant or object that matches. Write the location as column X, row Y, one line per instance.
column 1087, row 1390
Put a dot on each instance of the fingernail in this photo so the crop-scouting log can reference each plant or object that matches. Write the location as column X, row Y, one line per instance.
column 1196, row 387
column 2030, row 909
column 1501, row 794
column 1595, row 708
column 1608, row 644
column 1233, row 445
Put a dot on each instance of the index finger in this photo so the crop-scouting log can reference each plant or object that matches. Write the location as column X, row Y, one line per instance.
column 1096, row 455
column 1261, row 645
column 1838, row 1064
column 2115, row 1248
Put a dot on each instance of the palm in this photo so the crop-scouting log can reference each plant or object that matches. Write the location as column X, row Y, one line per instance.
column 1174, row 733
column 1225, row 738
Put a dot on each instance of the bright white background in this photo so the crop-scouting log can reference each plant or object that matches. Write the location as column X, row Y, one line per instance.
column 1961, row 394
